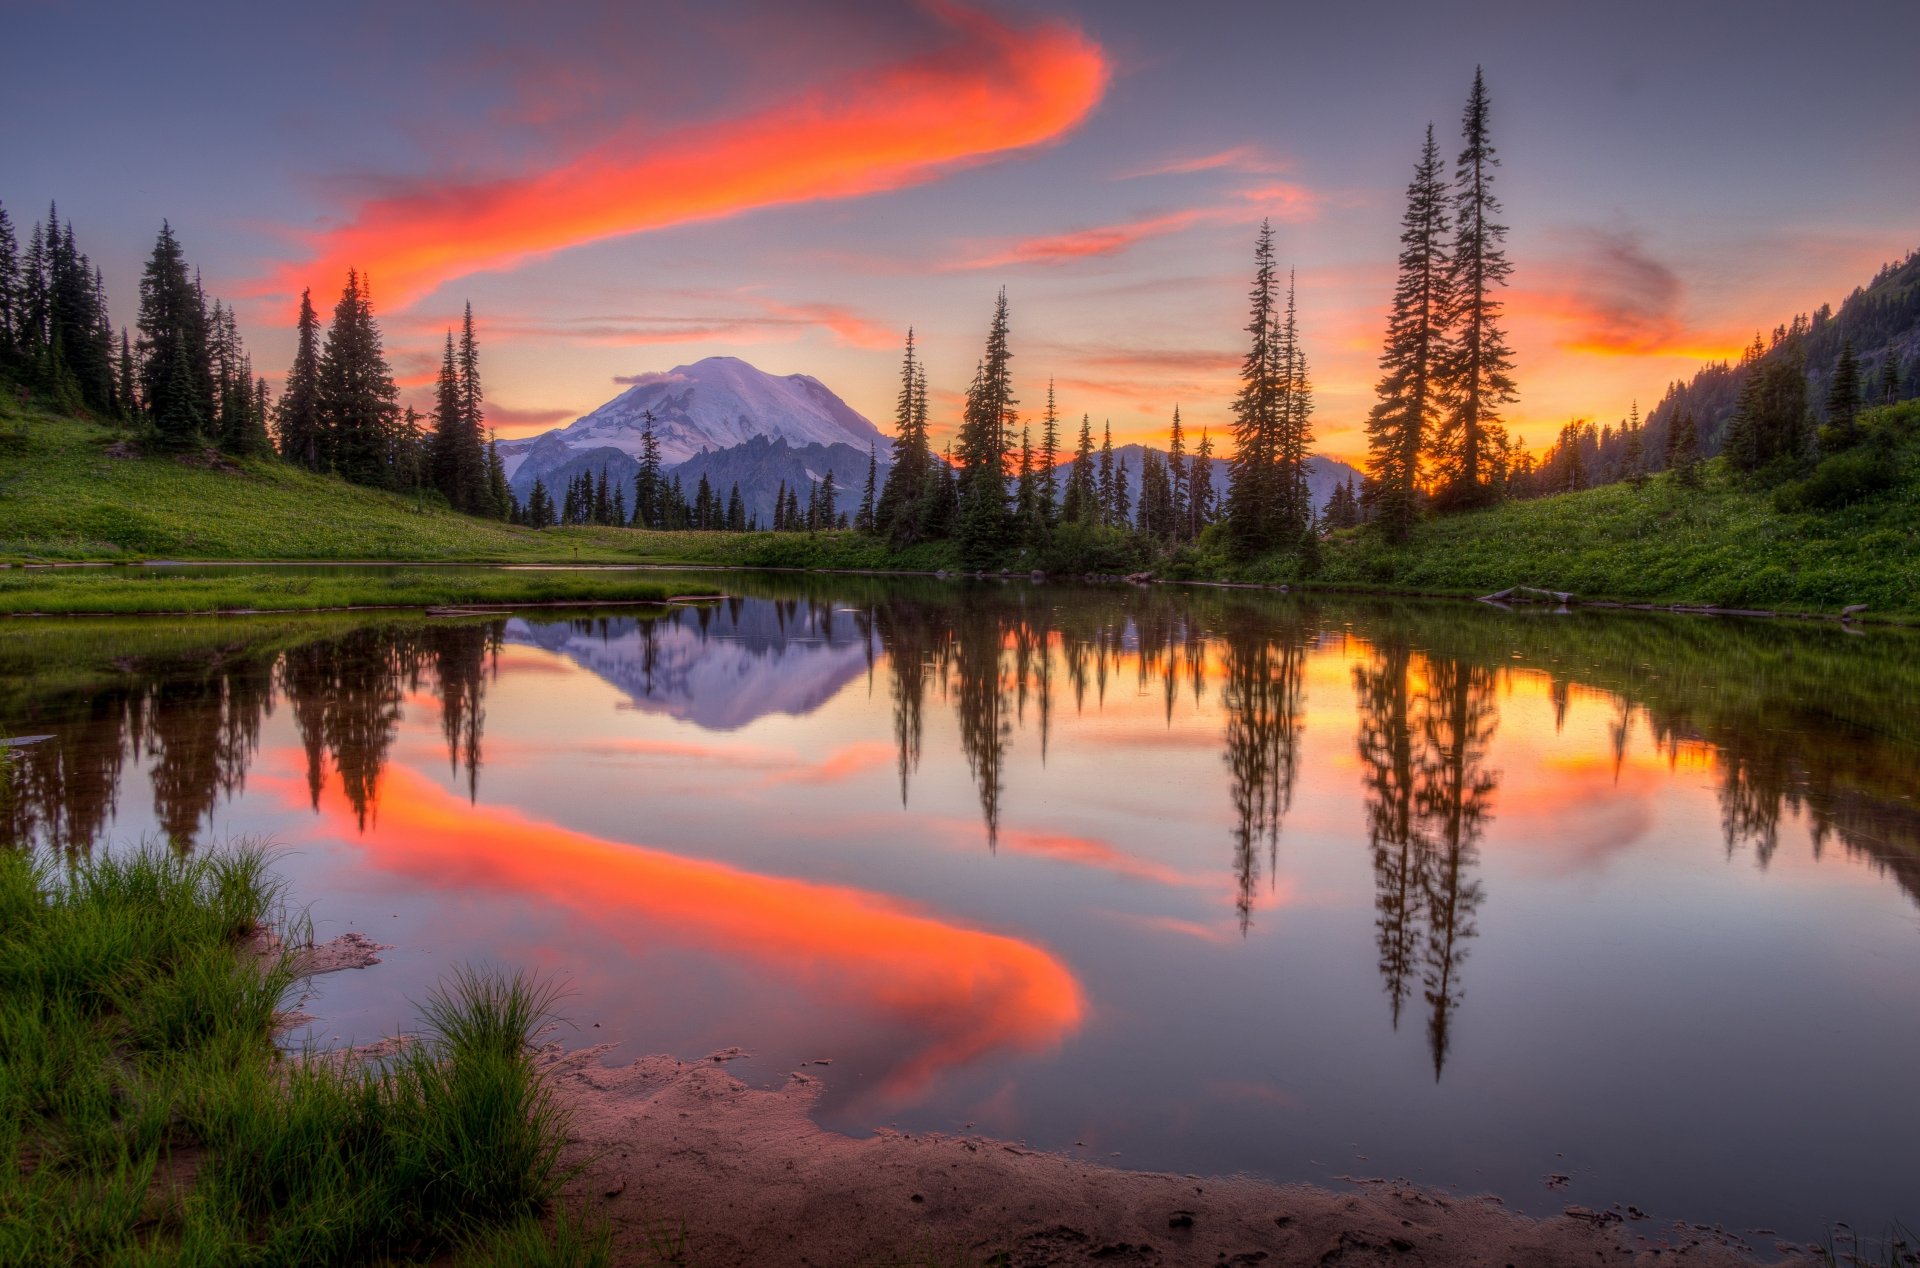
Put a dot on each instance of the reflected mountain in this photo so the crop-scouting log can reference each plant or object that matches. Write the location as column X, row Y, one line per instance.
column 718, row 666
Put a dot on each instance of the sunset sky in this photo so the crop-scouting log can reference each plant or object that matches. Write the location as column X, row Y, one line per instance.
column 620, row 188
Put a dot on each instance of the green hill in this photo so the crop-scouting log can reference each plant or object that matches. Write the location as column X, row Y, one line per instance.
column 1726, row 543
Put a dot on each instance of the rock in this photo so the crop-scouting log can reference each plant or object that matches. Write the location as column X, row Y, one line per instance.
column 1852, row 610
column 1180, row 1219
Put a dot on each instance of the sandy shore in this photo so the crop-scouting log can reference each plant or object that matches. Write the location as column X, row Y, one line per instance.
column 747, row 1178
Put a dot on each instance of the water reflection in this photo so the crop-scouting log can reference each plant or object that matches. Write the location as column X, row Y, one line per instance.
column 1794, row 721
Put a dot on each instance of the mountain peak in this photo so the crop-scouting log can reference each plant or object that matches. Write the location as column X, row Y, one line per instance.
column 713, row 404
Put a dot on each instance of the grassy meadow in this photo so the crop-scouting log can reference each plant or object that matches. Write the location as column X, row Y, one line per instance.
column 147, row 1118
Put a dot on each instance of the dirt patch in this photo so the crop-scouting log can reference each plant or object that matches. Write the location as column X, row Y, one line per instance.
column 749, row 1178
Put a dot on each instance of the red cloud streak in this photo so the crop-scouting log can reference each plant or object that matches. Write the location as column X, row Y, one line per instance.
column 995, row 87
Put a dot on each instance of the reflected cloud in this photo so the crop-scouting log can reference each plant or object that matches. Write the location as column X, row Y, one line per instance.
column 965, row 994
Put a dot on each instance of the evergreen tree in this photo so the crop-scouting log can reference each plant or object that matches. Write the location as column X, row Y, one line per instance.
column 1026, row 496
column 901, row 511
column 1108, row 503
column 539, row 505
column 1253, row 496
column 829, row 495
column 172, row 345
column 737, row 509
column 863, row 520
column 1890, row 378
column 358, row 403
column 1769, row 428
column 500, row 493
column 1294, row 434
column 1479, row 364
column 703, row 503
column 603, row 500
column 1122, row 511
column 1081, row 503
column 1844, row 399
column 647, row 486
column 1049, row 466
column 1683, row 448
column 11, row 306
column 986, row 431
column 1177, row 478
column 1634, row 454
column 1202, row 506
column 299, row 412
column 780, row 509
column 1405, row 420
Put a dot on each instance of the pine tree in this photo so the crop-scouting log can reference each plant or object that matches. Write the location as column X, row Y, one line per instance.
column 1122, row 499
column 1406, row 418
column 1177, row 478
column 986, row 433
column 901, row 511
column 1769, row 427
column 298, row 417
column 1081, row 503
column 1049, row 466
column 172, row 340
column 481, row 494
column 780, row 509
column 1294, row 434
column 863, row 520
column 1633, row 459
column 1201, row 502
column 1890, row 377
column 1479, row 365
column 1844, row 399
column 539, row 505
column 737, row 510
column 11, row 314
column 703, row 503
column 1683, row 447
column 129, row 393
column 358, row 404
column 1108, row 504
column 829, row 495
column 1253, row 498
column 1026, row 496
column 647, row 486
column 500, row 493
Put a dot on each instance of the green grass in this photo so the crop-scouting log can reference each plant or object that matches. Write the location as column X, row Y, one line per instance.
column 1724, row 543
column 145, row 1117
column 129, row 591
column 66, row 497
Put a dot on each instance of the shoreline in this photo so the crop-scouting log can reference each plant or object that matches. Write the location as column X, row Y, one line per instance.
column 745, row 1176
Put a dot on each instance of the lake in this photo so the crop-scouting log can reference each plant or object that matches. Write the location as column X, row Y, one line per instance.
column 1591, row 908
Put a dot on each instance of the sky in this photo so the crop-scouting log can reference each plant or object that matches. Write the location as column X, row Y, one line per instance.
column 619, row 188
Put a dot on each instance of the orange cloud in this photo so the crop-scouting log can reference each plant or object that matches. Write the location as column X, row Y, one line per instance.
column 1280, row 200
column 996, row 87
column 512, row 423
column 966, row 992
column 1614, row 298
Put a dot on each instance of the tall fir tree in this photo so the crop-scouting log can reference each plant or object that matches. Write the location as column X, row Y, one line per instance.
column 986, row 431
column 298, row 417
column 1406, row 418
column 172, row 346
column 1177, row 477
column 736, row 510
column 1026, row 494
column 1049, row 490
column 11, row 314
column 1479, row 364
column 869, row 495
column 1294, row 433
column 485, row 498
column 1889, row 392
column 358, row 404
column 900, row 513
column 1844, row 399
column 1201, row 504
column 1108, row 503
column 1080, row 504
column 648, row 489
column 1253, row 495
column 1683, row 447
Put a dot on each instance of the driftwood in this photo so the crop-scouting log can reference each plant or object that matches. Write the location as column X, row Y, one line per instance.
column 1528, row 594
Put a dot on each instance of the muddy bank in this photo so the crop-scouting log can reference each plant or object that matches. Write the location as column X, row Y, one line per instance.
column 750, row 1179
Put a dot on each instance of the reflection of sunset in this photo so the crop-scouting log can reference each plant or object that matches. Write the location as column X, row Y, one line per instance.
column 966, row 992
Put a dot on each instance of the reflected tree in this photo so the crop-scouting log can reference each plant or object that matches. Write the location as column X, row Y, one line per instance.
column 1263, row 695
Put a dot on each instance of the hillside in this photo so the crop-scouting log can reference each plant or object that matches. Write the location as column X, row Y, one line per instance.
column 1726, row 543
column 1881, row 319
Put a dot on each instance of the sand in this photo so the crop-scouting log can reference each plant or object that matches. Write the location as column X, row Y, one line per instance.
column 744, row 1176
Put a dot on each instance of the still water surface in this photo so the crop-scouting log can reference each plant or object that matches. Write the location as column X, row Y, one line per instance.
column 1206, row 881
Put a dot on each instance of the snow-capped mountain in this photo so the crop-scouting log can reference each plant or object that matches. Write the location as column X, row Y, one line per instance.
column 713, row 404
